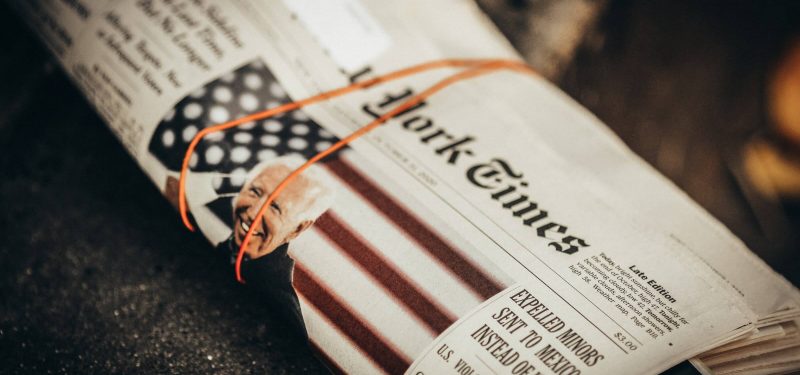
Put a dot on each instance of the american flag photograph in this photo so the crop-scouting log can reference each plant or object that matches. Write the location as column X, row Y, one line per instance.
column 377, row 279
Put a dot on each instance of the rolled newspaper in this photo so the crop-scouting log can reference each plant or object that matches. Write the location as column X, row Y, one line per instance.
column 495, row 227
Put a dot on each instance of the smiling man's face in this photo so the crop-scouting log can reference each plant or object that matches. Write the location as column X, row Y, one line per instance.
column 283, row 220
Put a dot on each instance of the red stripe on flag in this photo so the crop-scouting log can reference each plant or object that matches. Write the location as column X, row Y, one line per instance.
column 470, row 274
column 348, row 323
column 392, row 280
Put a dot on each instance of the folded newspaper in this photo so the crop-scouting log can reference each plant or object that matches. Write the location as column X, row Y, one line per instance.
column 495, row 227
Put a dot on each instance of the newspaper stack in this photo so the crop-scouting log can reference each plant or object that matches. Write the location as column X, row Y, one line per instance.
column 772, row 349
column 496, row 227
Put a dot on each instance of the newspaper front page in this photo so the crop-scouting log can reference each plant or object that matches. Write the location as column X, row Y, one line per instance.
column 496, row 227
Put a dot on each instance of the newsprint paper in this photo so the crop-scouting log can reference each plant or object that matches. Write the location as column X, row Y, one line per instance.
column 495, row 228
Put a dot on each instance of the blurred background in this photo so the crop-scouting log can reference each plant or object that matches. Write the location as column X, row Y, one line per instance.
column 97, row 274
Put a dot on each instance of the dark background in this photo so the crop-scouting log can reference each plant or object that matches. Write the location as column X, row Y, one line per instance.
column 97, row 274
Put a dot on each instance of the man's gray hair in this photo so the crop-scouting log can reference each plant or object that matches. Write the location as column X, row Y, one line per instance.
column 321, row 193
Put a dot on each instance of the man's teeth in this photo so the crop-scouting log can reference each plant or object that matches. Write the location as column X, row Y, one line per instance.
column 246, row 228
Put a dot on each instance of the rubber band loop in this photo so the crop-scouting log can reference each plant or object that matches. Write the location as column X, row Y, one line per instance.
column 475, row 68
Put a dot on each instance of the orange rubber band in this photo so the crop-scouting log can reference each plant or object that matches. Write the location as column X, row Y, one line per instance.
column 476, row 68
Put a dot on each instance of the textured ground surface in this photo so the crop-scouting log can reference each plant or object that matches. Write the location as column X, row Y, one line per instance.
column 98, row 276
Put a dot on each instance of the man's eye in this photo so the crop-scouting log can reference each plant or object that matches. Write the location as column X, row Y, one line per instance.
column 276, row 207
column 255, row 191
